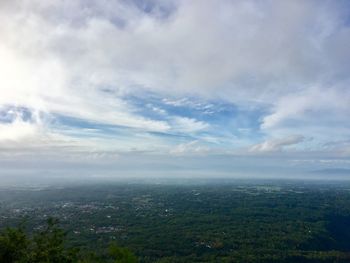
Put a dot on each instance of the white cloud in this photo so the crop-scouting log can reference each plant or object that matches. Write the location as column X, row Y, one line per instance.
column 258, row 48
column 188, row 125
column 18, row 129
column 274, row 145
column 322, row 103
column 193, row 147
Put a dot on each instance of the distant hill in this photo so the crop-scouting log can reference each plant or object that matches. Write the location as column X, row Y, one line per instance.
column 337, row 171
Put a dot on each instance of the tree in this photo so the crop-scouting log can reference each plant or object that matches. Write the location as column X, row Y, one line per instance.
column 49, row 246
column 14, row 246
column 121, row 255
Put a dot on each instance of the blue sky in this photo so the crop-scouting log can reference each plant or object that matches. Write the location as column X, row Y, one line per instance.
column 212, row 88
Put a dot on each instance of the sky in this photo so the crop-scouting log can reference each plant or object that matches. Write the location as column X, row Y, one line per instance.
column 174, row 88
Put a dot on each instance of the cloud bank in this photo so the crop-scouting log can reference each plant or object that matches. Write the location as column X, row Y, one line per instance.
column 174, row 77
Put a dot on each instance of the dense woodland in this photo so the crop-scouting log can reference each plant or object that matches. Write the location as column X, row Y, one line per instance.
column 216, row 222
column 49, row 245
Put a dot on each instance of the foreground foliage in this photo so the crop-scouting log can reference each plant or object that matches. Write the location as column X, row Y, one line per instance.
column 49, row 246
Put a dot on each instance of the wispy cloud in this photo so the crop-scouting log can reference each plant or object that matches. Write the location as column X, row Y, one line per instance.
column 190, row 148
column 274, row 145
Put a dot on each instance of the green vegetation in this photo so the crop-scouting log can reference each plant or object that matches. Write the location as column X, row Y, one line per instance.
column 216, row 222
column 49, row 246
